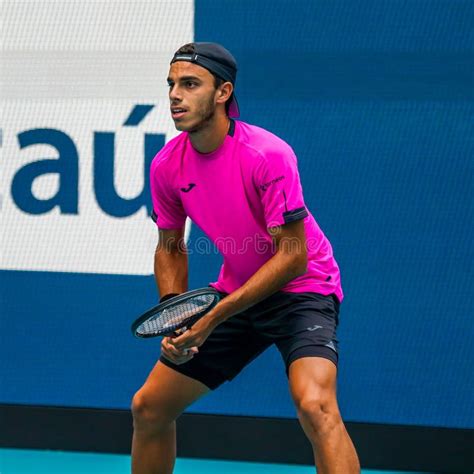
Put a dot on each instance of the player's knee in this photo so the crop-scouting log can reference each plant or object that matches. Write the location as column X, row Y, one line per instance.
column 148, row 413
column 319, row 412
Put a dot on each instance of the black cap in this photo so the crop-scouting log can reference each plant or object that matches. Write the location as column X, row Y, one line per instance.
column 217, row 60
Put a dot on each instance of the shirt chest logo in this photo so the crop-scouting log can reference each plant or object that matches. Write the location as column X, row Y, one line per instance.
column 190, row 186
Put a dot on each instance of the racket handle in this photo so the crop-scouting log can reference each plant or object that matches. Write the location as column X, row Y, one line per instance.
column 180, row 331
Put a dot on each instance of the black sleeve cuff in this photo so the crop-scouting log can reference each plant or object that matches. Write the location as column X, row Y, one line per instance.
column 295, row 215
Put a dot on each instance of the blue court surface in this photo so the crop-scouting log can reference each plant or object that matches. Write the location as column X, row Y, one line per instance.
column 20, row 461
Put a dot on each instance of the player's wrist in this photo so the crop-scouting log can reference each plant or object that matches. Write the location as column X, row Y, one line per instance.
column 221, row 312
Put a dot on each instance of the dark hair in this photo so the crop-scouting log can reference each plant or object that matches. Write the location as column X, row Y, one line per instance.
column 189, row 48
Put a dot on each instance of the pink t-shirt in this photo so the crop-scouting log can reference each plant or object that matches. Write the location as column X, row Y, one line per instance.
column 250, row 183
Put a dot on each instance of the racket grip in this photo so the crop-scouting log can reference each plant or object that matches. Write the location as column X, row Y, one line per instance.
column 179, row 331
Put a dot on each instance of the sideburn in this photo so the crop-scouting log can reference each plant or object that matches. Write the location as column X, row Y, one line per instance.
column 206, row 114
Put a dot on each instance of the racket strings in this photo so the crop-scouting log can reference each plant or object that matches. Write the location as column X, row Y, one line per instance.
column 176, row 315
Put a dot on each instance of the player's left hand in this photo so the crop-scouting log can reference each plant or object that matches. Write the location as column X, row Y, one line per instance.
column 195, row 336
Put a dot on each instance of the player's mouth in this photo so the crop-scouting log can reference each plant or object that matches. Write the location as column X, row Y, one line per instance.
column 177, row 112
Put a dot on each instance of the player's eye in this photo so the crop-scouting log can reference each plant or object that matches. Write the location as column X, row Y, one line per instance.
column 191, row 84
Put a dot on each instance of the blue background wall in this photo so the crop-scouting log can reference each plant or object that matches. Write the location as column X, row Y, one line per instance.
column 377, row 99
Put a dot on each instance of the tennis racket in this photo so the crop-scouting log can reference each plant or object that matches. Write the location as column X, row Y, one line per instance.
column 177, row 314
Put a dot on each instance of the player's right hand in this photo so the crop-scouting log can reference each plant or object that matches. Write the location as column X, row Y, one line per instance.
column 177, row 356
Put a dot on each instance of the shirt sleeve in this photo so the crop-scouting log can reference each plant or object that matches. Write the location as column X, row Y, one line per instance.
column 168, row 212
column 279, row 187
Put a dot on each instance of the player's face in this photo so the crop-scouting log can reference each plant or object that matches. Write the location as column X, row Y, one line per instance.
column 192, row 94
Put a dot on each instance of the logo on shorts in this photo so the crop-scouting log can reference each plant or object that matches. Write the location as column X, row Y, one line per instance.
column 331, row 345
column 314, row 328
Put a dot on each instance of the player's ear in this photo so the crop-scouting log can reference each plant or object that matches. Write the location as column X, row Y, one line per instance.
column 225, row 91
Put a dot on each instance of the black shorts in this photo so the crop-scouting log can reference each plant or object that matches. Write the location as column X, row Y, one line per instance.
column 300, row 324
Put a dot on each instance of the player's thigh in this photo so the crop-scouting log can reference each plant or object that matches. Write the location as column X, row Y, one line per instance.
column 313, row 384
column 165, row 394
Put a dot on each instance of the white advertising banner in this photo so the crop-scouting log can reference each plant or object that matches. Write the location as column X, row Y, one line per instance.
column 84, row 110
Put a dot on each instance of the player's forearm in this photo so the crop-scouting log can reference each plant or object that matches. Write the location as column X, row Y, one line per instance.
column 271, row 277
column 171, row 271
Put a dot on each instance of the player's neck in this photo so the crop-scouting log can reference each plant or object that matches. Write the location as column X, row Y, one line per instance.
column 211, row 137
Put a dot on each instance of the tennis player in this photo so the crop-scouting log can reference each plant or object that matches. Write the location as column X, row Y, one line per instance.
column 281, row 285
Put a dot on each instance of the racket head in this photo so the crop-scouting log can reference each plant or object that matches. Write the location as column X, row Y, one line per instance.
column 179, row 312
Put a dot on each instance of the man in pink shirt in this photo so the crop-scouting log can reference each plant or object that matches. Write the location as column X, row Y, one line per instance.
column 280, row 282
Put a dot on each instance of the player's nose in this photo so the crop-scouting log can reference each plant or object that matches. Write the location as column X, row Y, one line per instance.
column 174, row 95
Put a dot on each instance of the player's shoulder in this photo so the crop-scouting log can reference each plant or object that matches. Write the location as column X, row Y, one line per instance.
column 262, row 141
column 172, row 148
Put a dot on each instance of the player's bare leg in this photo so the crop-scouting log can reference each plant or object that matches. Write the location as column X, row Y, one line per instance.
column 155, row 407
column 313, row 388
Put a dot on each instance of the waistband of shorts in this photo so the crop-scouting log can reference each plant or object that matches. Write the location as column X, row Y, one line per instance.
column 337, row 303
